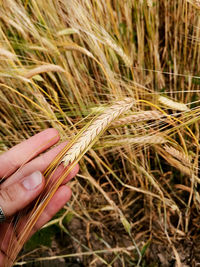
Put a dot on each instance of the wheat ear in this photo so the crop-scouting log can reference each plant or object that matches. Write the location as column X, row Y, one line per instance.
column 138, row 117
column 178, row 155
column 42, row 69
column 178, row 165
column 95, row 128
column 173, row 104
column 7, row 54
column 195, row 3
column 120, row 52
column 142, row 140
column 148, row 139
column 78, row 48
column 149, row 3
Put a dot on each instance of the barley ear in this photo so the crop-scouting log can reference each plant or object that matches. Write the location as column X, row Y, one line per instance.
column 139, row 117
column 42, row 69
column 195, row 3
column 95, row 129
column 172, row 104
column 178, row 155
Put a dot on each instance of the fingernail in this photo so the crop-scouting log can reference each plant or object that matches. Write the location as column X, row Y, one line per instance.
column 31, row 182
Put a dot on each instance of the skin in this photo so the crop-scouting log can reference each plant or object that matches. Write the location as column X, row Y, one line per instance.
column 16, row 166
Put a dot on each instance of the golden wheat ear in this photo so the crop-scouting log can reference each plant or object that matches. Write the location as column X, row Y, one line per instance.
column 172, row 104
column 139, row 117
column 96, row 128
column 70, row 155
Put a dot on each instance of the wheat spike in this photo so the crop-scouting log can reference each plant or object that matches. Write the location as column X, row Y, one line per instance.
column 195, row 3
column 120, row 52
column 178, row 155
column 96, row 127
column 149, row 139
column 142, row 140
column 177, row 164
column 42, row 69
column 7, row 54
column 149, row 3
column 79, row 49
column 172, row 104
column 138, row 117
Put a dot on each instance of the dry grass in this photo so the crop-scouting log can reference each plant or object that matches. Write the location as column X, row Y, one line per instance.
column 135, row 200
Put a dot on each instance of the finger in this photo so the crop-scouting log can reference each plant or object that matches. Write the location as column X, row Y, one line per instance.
column 41, row 163
column 7, row 242
column 60, row 198
column 11, row 160
column 18, row 195
column 7, row 237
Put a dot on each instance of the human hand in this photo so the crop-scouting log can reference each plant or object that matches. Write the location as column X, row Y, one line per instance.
column 21, row 185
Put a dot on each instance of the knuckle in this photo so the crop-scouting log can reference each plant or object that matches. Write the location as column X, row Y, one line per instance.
column 8, row 194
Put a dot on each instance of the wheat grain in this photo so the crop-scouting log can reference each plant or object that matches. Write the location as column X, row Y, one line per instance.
column 178, row 155
column 96, row 127
column 42, row 69
column 172, row 104
column 138, row 117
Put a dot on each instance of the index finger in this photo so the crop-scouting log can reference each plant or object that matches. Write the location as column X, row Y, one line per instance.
column 11, row 160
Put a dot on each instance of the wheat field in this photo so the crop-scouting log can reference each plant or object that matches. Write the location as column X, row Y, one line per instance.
column 120, row 81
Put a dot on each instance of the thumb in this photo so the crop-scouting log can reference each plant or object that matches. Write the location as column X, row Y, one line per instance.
column 16, row 196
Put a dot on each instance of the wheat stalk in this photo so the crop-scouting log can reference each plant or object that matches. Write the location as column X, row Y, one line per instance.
column 96, row 127
column 173, row 104
column 138, row 117
column 42, row 69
